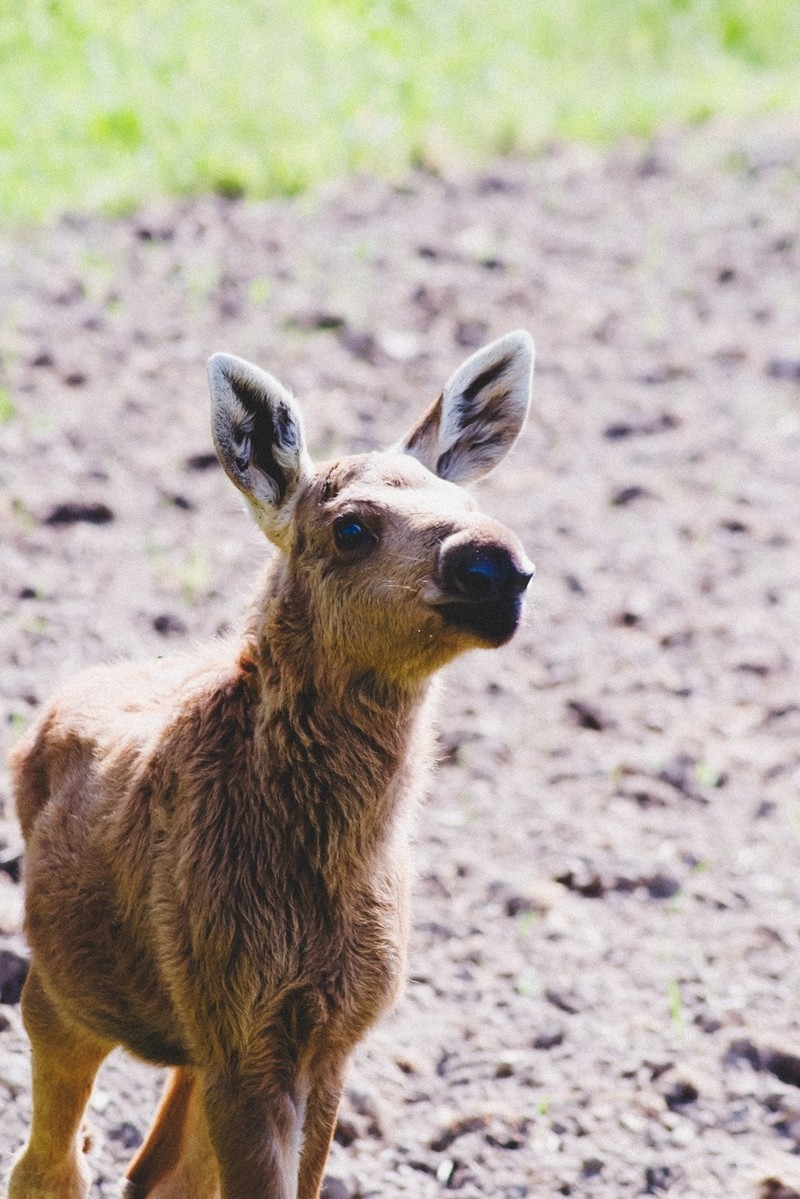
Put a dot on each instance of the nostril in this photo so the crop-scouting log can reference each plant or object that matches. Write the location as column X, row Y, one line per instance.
column 479, row 572
column 484, row 575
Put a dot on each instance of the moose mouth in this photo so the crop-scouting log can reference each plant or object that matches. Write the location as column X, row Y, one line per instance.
column 492, row 621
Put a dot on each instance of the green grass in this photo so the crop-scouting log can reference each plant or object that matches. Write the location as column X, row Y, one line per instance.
column 8, row 410
column 102, row 105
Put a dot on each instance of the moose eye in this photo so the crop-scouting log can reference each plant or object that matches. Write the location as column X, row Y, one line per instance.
column 350, row 534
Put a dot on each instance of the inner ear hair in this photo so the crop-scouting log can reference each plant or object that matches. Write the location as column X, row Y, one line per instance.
column 485, row 397
column 257, row 429
column 269, row 436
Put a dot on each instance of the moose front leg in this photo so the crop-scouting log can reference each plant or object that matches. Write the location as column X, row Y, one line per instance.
column 65, row 1062
column 320, row 1124
column 256, row 1131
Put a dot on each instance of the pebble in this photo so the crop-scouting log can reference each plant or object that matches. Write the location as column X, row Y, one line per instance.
column 12, row 906
column 683, row 1134
column 633, row 1122
column 13, row 972
column 15, row 1072
column 335, row 1188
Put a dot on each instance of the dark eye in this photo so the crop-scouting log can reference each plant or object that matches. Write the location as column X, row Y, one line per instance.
column 350, row 534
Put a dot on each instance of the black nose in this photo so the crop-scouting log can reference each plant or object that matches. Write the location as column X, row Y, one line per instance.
column 478, row 572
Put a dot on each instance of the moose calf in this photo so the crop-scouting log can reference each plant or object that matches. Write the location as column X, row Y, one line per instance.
column 217, row 846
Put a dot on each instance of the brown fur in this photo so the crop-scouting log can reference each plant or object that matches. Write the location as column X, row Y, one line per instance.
column 217, row 865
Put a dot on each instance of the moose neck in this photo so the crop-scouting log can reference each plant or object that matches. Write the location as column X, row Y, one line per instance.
column 285, row 629
column 352, row 740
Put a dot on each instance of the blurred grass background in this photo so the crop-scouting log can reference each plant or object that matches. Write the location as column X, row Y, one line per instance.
column 104, row 105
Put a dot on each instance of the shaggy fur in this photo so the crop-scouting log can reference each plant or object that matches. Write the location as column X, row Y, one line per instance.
column 217, row 847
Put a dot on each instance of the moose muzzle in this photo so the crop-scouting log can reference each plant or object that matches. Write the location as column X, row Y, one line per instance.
column 482, row 581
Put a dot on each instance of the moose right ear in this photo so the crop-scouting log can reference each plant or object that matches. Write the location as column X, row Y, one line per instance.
column 258, row 434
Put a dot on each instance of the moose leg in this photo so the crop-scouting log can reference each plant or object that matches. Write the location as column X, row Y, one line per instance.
column 65, row 1062
column 320, row 1124
column 256, row 1132
column 177, row 1160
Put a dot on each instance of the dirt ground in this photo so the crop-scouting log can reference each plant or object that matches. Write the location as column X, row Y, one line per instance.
column 604, row 990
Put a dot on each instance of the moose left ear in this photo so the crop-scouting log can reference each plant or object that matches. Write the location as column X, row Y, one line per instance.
column 480, row 413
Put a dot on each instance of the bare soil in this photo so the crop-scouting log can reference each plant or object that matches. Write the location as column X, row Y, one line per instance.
column 604, row 977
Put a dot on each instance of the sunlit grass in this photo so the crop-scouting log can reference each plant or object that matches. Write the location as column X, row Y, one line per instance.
column 103, row 105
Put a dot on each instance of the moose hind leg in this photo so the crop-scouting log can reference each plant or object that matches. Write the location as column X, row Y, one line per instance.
column 64, row 1064
column 177, row 1160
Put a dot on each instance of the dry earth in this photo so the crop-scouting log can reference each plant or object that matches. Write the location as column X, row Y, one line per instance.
column 604, row 992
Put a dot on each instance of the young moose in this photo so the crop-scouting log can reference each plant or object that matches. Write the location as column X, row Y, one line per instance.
column 217, row 847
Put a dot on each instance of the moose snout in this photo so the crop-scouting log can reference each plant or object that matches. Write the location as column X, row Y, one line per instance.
column 481, row 576
column 479, row 571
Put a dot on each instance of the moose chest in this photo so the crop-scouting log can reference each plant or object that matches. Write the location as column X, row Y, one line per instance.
column 300, row 908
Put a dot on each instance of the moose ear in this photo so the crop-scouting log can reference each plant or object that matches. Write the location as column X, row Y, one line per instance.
column 480, row 413
column 258, row 434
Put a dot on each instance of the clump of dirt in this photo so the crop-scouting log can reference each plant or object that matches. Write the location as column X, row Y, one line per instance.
column 605, row 969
